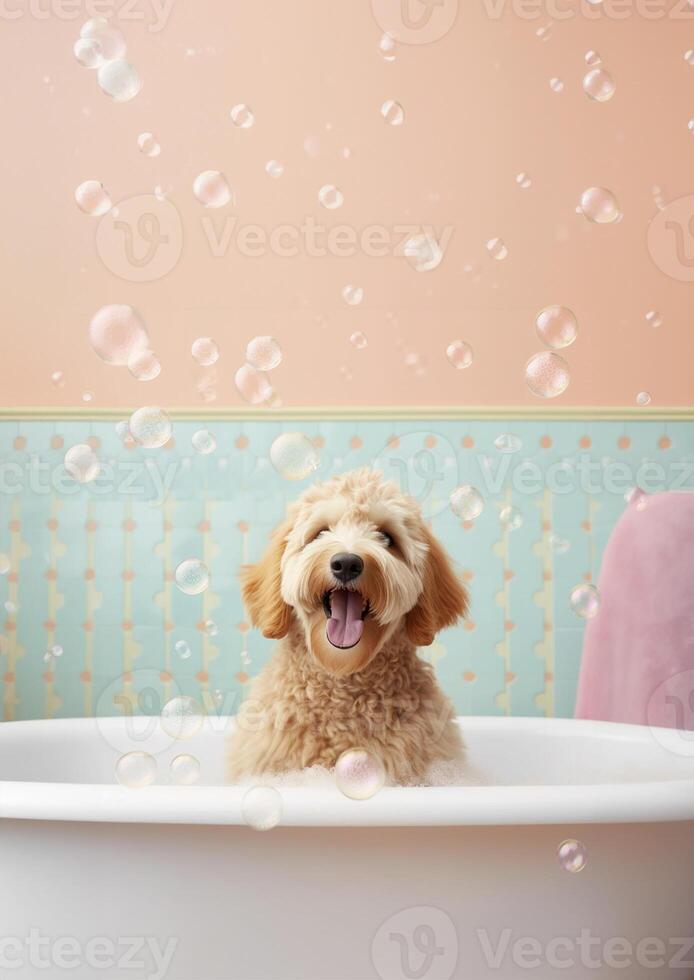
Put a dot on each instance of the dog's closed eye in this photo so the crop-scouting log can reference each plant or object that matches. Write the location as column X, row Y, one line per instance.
column 389, row 540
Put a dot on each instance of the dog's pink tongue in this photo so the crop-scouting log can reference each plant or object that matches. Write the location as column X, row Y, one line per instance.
column 345, row 625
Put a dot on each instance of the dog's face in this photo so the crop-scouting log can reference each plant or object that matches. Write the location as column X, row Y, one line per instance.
column 353, row 561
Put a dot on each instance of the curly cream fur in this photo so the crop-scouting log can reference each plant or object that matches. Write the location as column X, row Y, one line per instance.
column 311, row 703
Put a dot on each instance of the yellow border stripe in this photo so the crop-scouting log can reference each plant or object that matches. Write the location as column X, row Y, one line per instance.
column 374, row 412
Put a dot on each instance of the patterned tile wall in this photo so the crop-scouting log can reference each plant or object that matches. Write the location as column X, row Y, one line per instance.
column 90, row 568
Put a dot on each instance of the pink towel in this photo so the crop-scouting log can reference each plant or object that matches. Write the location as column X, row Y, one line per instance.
column 638, row 653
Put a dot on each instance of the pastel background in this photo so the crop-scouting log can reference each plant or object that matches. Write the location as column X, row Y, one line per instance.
column 479, row 110
column 93, row 573
column 92, row 569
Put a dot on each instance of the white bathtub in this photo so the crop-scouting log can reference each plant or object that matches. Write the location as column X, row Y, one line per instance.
column 97, row 880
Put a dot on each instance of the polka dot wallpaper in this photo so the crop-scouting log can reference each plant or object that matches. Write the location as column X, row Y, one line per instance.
column 95, row 618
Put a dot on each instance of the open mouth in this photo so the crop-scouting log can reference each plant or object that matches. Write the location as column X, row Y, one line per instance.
column 346, row 610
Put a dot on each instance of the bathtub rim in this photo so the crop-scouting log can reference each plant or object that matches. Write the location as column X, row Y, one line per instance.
column 653, row 801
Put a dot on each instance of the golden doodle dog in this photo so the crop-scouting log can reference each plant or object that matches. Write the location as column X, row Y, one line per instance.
column 352, row 583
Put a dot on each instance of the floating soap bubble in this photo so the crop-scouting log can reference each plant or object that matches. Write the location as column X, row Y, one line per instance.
column 111, row 41
column 182, row 717
column 600, row 206
column 87, row 396
column 119, row 80
column 466, row 502
column 253, row 385
column 690, row 125
column 93, row 198
column 54, row 652
column 654, row 319
column 585, row 601
column 559, row 545
column 556, row 326
column 150, row 426
column 263, row 353
column 358, row 339
column 556, row 84
column 689, row 56
column 510, row 518
column 184, row 770
column 273, row 168
column 58, row 379
column 637, row 498
column 393, row 112
column 82, row 463
column 212, row 189
column 359, row 774
column 547, row 375
column 459, row 354
column 204, row 442
column 330, row 197
column 144, row 365
column 497, row 248
column 88, row 52
column 643, row 398
column 148, row 144
column 117, row 333
column 241, row 116
column 544, row 32
column 572, row 855
column 423, row 252
column 262, row 807
column 94, row 27
column 205, row 351
column 523, row 180
column 5, row 564
column 352, row 295
column 294, row 456
column 192, row 576
column 211, row 628
column 599, row 85
column 387, row 47
column 182, row 650
column 506, row 443
column 136, row 770
column 592, row 58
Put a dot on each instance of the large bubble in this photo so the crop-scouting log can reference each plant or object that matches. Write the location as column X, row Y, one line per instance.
column 150, row 426
column 212, row 189
column 547, row 375
column 117, row 333
column 294, row 456
column 119, row 80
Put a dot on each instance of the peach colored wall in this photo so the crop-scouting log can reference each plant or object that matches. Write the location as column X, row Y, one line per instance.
column 478, row 110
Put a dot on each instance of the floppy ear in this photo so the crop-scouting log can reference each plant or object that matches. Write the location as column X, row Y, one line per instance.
column 261, row 589
column 444, row 598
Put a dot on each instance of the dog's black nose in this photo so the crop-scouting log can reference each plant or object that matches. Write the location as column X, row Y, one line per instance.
column 346, row 567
